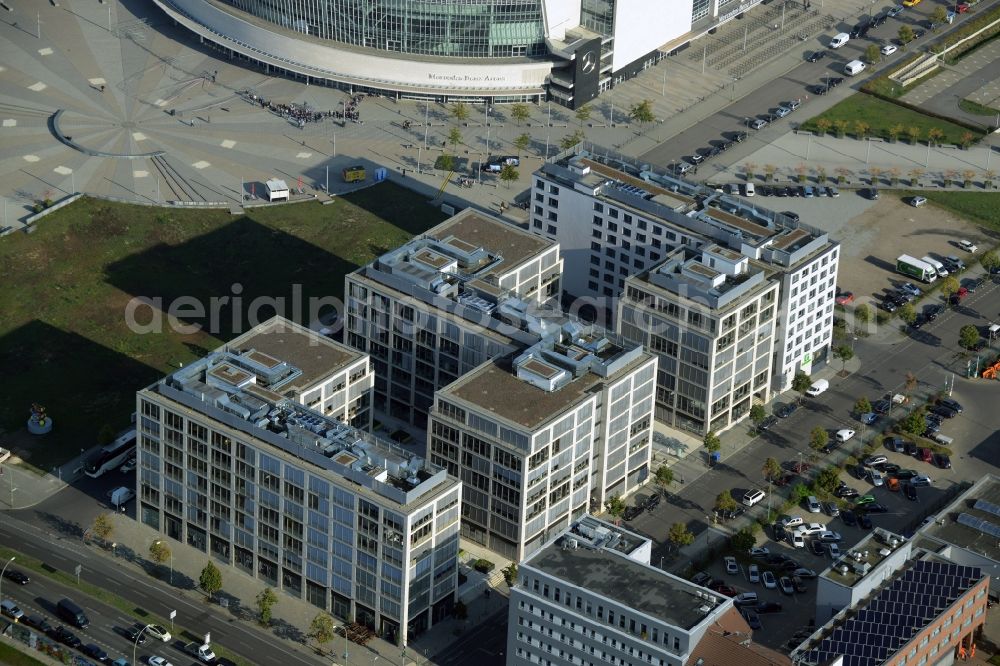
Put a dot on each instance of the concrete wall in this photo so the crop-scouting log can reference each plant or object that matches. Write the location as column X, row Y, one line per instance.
column 642, row 26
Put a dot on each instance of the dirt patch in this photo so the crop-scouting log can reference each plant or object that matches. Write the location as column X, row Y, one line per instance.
column 873, row 240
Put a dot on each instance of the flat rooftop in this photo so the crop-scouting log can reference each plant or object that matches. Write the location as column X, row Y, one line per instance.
column 862, row 558
column 314, row 354
column 972, row 521
column 476, row 230
column 613, row 575
column 494, row 387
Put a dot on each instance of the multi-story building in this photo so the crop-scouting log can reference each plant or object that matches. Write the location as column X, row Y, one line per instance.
column 231, row 462
column 430, row 311
column 861, row 570
column 542, row 437
column 709, row 314
column 613, row 220
column 494, row 50
column 923, row 609
column 590, row 596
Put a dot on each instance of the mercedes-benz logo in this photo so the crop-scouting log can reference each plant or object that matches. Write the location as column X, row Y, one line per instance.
column 589, row 62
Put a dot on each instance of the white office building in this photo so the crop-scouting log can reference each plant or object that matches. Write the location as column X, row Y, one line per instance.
column 613, row 220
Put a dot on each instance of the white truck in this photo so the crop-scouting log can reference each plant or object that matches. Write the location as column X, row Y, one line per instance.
column 121, row 495
column 203, row 651
column 915, row 268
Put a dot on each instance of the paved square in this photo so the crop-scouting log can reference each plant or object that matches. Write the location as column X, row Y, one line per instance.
column 44, row 52
column 140, row 173
column 9, row 122
column 201, row 164
column 31, row 158
column 228, row 143
column 63, row 171
column 38, row 87
column 138, row 136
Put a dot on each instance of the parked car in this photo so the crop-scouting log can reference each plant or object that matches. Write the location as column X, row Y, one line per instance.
column 943, row 411
column 849, row 518
column 871, row 461
column 844, row 434
column 64, row 636
column 17, row 577
column 926, row 455
column 701, row 578
column 799, row 584
column 832, row 509
column 905, row 474
column 846, row 492
column 768, row 607
column 910, row 491
column 769, row 581
column 941, row 460
column 863, row 500
column 759, row 552
column 11, row 610
column 816, row 56
column 876, row 507
column 889, row 49
column 723, row 589
column 745, row 599
column 967, row 246
column 95, row 651
column 829, row 536
column 844, row 298
column 798, row 540
column 911, row 449
column 786, row 410
column 810, row 529
column 786, row 585
column 910, row 288
column 812, row 504
column 37, row 621
column 832, row 549
column 731, row 566
column 753, row 573
column 864, row 521
column 758, row 123
column 752, row 618
column 768, row 421
column 953, row 405
column 790, row 521
column 816, row 548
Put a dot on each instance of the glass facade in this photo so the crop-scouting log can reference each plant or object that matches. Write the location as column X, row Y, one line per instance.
column 454, row 28
column 700, row 9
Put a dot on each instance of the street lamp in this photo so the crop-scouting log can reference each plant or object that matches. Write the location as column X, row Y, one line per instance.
column 135, row 645
column 3, row 571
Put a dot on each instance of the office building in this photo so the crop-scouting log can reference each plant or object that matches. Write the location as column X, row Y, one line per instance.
column 498, row 50
column 709, row 314
column 860, row 571
column 543, row 436
column 613, row 219
column 439, row 306
column 242, row 456
column 590, row 596
column 924, row 609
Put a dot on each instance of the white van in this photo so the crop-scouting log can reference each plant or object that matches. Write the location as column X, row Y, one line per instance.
column 854, row 68
column 819, row 386
column 839, row 40
column 752, row 497
column 943, row 440
column 748, row 190
column 938, row 266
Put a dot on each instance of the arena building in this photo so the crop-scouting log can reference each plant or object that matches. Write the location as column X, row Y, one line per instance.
column 483, row 50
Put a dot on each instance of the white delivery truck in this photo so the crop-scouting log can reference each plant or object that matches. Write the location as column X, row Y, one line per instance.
column 854, row 68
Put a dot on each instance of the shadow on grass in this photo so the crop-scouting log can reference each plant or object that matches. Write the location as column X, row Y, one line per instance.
column 82, row 384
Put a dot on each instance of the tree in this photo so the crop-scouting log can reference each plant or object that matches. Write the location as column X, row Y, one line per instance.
column 819, row 438
column 843, row 173
column 616, row 507
column 743, row 541
column 454, row 137
column 844, row 353
column 915, row 175
column 210, row 579
column 680, row 535
column 894, row 131
column 159, row 551
column 749, row 168
column 862, row 128
column 321, row 629
column 521, row 142
column 445, row 163
column 990, row 260
column 841, row 127
column 905, row 34
column 823, row 125
column 821, row 174
column 939, row 15
column 663, row 477
column 571, row 140
column 712, row 442
column 828, row 478
column 914, row 134
column 769, row 170
column 510, row 574
column 520, row 112
column 772, row 469
column 968, row 336
column 968, row 175
column 915, row 423
column 872, row 54
column 803, row 172
column 801, row 382
column 907, row 313
column 876, row 174
column 934, row 135
column 862, row 405
column 894, row 175
column 863, row 313
column 460, row 111
column 642, row 112
column 583, row 114
column 725, row 502
column 757, row 415
column 265, row 601
column 103, row 527
column 508, row 174
column 948, row 287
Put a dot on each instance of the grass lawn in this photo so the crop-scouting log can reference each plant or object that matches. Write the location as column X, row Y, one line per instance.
column 881, row 115
column 14, row 657
column 64, row 340
column 979, row 207
column 976, row 108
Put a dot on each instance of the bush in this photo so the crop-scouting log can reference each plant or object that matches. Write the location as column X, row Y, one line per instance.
column 484, row 566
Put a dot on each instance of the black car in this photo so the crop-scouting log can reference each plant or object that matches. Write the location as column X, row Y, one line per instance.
column 652, row 502
column 768, row 607
column 910, row 491
column 864, row 521
column 726, row 145
column 37, row 621
column 849, row 518
column 64, row 636
column 845, row 492
column 816, row 547
column 951, row 404
column 933, row 311
column 95, row 651
column 786, row 410
column 17, row 577
column 889, row 306
column 875, row 507
column 896, row 444
column 943, row 461
column 740, row 137
column 942, row 410
column 136, row 634
column 905, row 474
column 881, row 407
column 888, row 469
column 820, row 89
column 766, row 423
column 816, row 56
column 836, row 81
column 918, row 322
column 631, row 512
column 918, row 33
column 765, row 190
column 911, row 448
column 794, row 217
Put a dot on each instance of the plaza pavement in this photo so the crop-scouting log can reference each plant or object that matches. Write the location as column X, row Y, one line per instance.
column 975, row 77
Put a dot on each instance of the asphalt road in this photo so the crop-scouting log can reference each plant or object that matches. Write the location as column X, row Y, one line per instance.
column 64, row 553
column 484, row 645
column 793, row 85
column 933, row 356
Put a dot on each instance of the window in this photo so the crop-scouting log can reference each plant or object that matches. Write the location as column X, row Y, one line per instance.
column 551, row 229
column 598, row 207
column 596, row 234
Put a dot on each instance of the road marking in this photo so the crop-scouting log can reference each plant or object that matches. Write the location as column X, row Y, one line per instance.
column 228, row 143
column 63, row 171
column 44, row 52
column 9, row 122
column 138, row 136
column 160, row 102
column 31, row 158
column 37, row 87
column 304, row 156
column 201, row 164
column 97, row 81
column 140, row 173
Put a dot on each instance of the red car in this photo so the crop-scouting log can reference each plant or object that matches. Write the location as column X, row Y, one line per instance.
column 957, row 297
column 962, row 7
column 926, row 455
column 844, row 298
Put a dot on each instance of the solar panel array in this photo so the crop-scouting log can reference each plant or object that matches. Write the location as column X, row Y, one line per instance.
column 899, row 612
column 984, row 526
column 988, row 507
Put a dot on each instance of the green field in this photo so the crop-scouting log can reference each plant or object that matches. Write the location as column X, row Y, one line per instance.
column 979, row 207
column 14, row 657
column 880, row 115
column 64, row 341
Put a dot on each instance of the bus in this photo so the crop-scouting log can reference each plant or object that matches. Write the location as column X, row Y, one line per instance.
column 112, row 455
